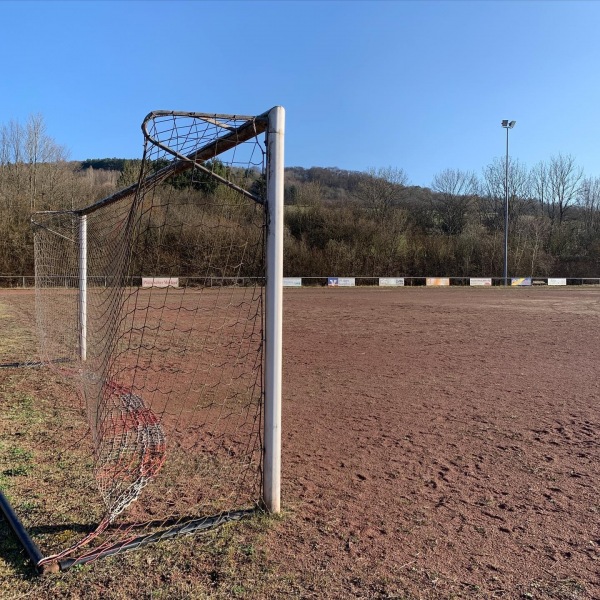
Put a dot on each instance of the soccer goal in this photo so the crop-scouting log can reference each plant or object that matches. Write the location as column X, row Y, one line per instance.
column 163, row 302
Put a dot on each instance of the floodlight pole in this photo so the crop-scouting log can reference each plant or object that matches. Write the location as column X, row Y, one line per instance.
column 507, row 125
column 274, row 311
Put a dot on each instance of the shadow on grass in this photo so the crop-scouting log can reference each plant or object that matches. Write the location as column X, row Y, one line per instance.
column 13, row 553
column 205, row 522
column 16, row 556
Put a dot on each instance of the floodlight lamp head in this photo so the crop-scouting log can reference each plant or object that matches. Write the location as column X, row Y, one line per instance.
column 505, row 123
column 512, row 124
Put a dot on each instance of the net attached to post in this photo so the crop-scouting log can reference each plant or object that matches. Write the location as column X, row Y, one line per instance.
column 152, row 301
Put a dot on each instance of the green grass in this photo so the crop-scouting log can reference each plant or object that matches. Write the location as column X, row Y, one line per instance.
column 206, row 566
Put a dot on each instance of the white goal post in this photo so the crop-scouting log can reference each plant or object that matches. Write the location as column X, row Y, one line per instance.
column 181, row 386
column 274, row 309
column 82, row 286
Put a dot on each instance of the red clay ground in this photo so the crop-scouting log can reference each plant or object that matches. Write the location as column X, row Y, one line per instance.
column 442, row 442
column 437, row 443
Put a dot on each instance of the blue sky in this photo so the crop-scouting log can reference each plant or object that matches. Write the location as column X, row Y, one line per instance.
column 420, row 86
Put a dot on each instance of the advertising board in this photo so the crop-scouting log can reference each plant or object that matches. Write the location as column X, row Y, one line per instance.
column 437, row 281
column 391, row 281
column 292, row 282
column 346, row 281
column 520, row 281
column 160, row 282
column 480, row 281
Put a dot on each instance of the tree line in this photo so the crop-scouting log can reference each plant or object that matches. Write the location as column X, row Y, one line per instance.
column 376, row 224
column 339, row 222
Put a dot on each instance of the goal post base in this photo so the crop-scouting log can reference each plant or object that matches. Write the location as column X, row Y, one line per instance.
column 44, row 566
column 33, row 552
column 190, row 527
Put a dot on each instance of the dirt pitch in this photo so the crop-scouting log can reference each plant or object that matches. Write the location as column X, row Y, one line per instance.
column 437, row 443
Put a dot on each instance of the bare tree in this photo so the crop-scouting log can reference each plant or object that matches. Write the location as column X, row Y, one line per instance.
column 455, row 191
column 493, row 192
column 589, row 200
column 40, row 148
column 310, row 194
column 23, row 151
column 560, row 182
column 540, row 185
column 12, row 138
column 382, row 189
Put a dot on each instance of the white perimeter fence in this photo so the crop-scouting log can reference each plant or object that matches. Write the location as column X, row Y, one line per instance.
column 27, row 281
column 435, row 281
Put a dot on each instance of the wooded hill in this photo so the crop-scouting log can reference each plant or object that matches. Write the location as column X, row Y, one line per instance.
column 374, row 224
column 350, row 223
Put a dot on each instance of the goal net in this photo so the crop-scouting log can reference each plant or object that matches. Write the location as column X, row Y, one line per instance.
column 163, row 303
